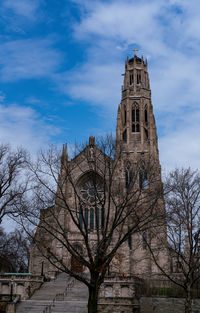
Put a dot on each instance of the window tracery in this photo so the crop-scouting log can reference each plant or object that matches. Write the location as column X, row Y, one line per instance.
column 135, row 118
column 129, row 176
column 91, row 191
column 143, row 179
column 91, row 194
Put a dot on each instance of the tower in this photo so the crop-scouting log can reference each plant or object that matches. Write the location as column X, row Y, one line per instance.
column 137, row 135
column 135, row 120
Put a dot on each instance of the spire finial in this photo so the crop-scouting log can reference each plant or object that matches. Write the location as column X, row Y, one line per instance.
column 135, row 50
column 91, row 141
column 64, row 153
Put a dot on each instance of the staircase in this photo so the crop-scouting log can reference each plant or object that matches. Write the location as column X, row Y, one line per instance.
column 64, row 294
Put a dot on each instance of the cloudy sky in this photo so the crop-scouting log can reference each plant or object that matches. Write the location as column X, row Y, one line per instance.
column 61, row 63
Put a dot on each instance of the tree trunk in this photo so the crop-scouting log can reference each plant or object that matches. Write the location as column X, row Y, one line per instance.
column 93, row 300
column 188, row 301
column 93, row 295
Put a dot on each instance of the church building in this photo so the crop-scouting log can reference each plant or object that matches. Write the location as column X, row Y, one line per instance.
column 93, row 187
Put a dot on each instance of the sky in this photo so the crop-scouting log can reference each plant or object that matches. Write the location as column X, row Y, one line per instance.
column 61, row 63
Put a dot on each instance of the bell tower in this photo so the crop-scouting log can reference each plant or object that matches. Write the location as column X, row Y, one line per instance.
column 136, row 135
column 136, row 126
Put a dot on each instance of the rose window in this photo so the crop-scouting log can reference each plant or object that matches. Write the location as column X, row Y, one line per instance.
column 91, row 192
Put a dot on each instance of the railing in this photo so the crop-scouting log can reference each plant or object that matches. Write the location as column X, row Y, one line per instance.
column 59, row 296
column 21, row 277
column 167, row 288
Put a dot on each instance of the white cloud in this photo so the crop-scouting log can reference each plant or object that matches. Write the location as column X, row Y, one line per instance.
column 129, row 22
column 20, row 125
column 180, row 146
column 175, row 83
column 161, row 29
column 25, row 8
column 31, row 58
column 166, row 32
column 32, row 100
column 93, row 83
column 2, row 97
column 168, row 35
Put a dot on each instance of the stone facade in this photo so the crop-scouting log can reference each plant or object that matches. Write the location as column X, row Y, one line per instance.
column 22, row 285
column 136, row 134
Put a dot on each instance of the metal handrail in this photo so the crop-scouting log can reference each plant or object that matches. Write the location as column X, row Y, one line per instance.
column 48, row 307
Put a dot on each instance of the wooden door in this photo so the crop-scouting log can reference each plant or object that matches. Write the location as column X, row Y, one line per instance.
column 76, row 266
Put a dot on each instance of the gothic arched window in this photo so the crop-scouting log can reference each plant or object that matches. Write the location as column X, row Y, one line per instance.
column 139, row 80
column 80, row 218
column 91, row 193
column 146, row 116
column 125, row 114
column 129, row 176
column 135, row 118
column 131, row 79
column 146, row 133
column 144, row 240
column 143, row 179
column 91, row 219
column 124, row 135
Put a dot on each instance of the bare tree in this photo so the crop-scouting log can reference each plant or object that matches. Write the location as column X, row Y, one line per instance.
column 14, row 250
column 91, row 208
column 12, row 183
column 182, row 189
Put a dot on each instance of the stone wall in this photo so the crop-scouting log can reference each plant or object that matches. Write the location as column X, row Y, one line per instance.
column 119, row 287
column 118, row 305
column 22, row 285
column 166, row 305
column 145, row 305
column 118, row 294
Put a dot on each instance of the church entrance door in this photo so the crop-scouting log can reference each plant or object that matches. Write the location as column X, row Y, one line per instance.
column 76, row 266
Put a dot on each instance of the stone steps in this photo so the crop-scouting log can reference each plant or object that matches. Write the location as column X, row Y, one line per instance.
column 70, row 300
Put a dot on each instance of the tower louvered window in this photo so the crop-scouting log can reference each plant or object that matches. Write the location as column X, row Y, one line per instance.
column 146, row 133
column 125, row 115
column 139, row 77
column 135, row 118
column 124, row 135
column 131, row 79
column 146, row 116
column 145, row 79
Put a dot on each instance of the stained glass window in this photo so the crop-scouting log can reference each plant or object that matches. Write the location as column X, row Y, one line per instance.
column 92, row 195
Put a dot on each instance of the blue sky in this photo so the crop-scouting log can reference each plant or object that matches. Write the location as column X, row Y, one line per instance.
column 61, row 64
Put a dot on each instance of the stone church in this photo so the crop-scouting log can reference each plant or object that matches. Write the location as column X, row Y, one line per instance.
column 82, row 191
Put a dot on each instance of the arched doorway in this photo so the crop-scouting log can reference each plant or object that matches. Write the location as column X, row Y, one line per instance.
column 76, row 265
